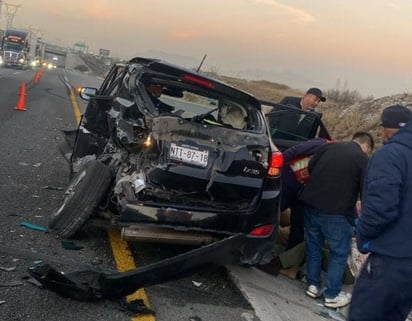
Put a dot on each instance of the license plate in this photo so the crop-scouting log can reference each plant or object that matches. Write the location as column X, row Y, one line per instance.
column 189, row 155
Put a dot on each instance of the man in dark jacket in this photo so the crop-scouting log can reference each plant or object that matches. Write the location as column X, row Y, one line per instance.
column 336, row 176
column 294, row 176
column 308, row 102
column 383, row 290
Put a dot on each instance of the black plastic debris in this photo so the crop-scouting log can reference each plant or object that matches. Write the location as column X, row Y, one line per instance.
column 136, row 307
column 88, row 285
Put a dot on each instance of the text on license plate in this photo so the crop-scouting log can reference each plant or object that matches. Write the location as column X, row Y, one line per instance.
column 189, row 155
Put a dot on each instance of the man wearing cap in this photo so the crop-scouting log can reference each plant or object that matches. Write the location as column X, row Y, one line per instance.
column 383, row 289
column 308, row 102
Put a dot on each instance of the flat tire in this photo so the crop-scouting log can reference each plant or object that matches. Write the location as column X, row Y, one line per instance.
column 81, row 199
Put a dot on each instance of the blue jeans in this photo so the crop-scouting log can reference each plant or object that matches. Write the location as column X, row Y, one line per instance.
column 337, row 232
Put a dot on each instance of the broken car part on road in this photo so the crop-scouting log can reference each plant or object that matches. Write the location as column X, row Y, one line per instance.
column 89, row 285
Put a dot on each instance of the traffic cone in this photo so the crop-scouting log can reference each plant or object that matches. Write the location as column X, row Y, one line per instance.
column 37, row 77
column 21, row 103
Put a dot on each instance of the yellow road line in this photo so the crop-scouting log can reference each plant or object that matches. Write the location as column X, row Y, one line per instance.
column 76, row 108
column 124, row 262
column 121, row 252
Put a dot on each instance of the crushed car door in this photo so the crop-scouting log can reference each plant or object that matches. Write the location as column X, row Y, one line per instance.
column 93, row 131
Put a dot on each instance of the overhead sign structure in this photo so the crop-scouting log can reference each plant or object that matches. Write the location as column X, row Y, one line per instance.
column 104, row 52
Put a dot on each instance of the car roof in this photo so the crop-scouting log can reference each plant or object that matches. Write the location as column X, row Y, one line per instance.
column 193, row 77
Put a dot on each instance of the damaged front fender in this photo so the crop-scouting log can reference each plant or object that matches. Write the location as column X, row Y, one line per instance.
column 89, row 285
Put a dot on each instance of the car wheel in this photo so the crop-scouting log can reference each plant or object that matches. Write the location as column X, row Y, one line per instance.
column 81, row 199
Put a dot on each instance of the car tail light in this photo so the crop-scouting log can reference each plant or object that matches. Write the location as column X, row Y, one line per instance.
column 276, row 163
column 198, row 80
column 264, row 230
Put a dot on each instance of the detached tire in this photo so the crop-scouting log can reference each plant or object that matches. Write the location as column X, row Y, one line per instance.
column 81, row 199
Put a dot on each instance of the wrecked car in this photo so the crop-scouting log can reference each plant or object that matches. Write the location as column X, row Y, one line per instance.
column 167, row 154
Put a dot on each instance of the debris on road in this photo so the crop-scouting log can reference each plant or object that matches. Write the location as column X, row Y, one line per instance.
column 53, row 188
column 137, row 307
column 10, row 284
column 91, row 285
column 70, row 245
column 33, row 226
column 7, row 269
column 197, row 283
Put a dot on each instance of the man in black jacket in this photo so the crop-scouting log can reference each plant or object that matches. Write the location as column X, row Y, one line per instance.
column 308, row 102
column 336, row 177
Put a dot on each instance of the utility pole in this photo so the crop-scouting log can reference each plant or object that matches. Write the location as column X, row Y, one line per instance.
column 11, row 13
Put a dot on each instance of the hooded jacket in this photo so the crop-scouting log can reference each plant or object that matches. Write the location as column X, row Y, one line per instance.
column 385, row 224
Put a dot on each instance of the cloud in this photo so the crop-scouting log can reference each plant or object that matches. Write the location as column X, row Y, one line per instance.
column 298, row 14
column 92, row 10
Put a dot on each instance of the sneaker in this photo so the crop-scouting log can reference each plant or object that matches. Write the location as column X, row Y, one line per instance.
column 340, row 300
column 313, row 291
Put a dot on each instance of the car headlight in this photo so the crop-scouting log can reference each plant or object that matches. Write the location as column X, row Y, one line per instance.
column 21, row 60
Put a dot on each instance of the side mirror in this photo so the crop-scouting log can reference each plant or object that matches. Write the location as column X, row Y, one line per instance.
column 86, row 93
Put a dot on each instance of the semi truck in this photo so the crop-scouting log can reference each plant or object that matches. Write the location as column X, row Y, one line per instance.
column 15, row 48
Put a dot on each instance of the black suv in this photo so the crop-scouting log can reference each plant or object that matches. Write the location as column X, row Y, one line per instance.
column 171, row 155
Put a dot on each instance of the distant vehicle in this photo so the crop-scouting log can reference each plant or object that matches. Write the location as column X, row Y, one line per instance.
column 15, row 48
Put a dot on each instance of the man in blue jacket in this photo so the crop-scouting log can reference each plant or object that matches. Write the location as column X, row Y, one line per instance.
column 383, row 290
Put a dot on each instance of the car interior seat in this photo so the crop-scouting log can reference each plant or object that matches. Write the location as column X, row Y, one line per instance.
column 233, row 115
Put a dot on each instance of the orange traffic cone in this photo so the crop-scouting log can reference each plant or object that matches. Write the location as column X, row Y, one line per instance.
column 21, row 103
column 36, row 77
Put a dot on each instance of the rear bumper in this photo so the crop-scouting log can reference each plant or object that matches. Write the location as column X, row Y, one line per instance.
column 176, row 226
column 197, row 220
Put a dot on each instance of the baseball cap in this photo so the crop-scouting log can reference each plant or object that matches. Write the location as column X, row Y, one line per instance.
column 317, row 92
column 395, row 116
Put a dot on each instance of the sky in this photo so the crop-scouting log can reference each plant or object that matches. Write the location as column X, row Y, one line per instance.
column 362, row 45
